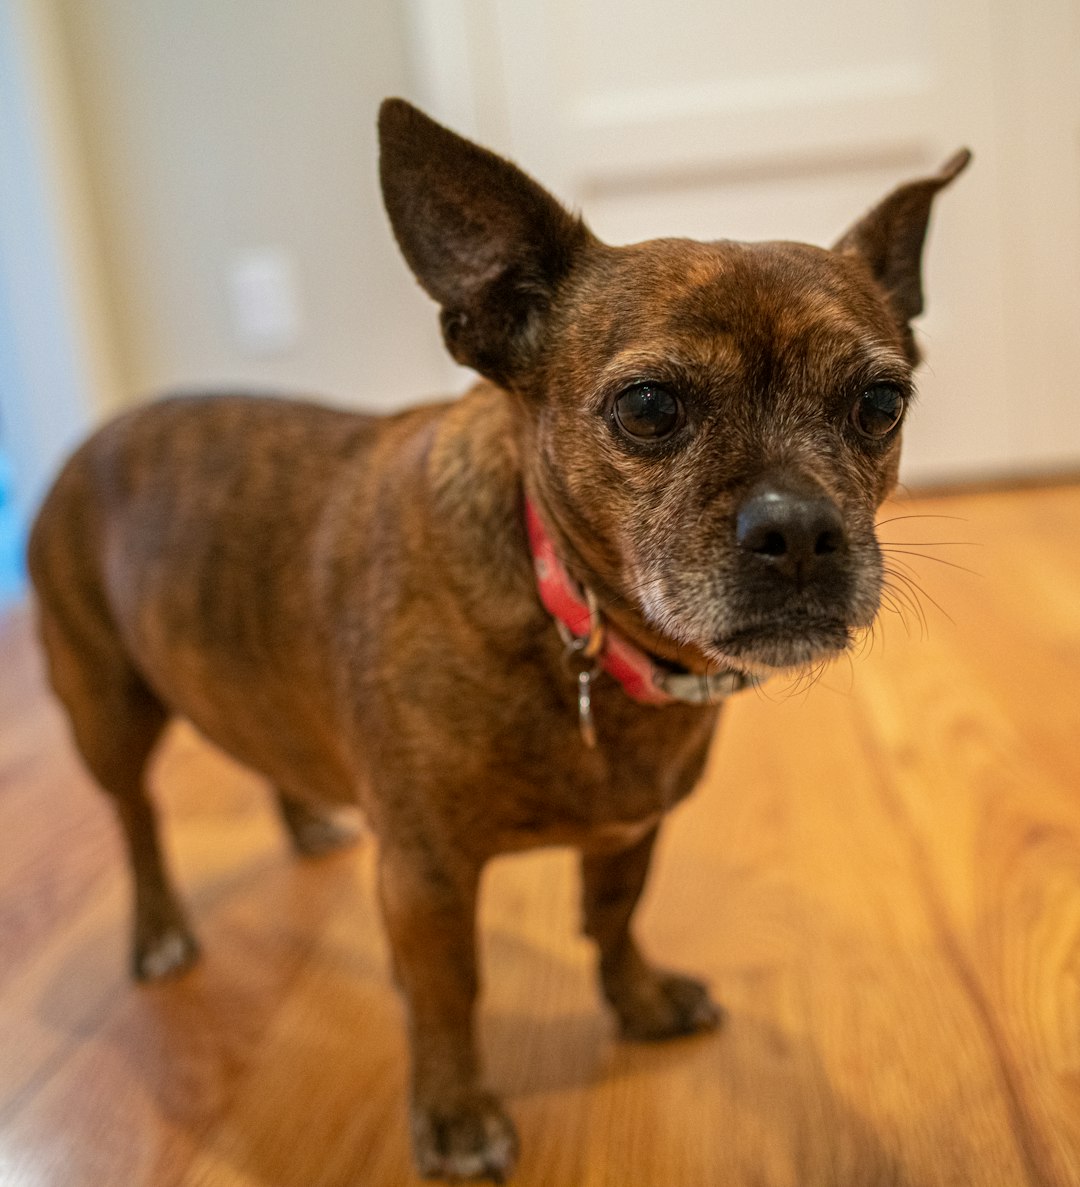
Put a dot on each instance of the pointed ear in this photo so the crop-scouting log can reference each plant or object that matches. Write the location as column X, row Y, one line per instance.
column 890, row 238
column 485, row 240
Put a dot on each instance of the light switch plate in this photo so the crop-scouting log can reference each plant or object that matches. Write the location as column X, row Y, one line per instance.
column 264, row 301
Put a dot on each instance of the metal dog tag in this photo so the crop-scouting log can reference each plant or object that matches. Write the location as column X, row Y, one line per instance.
column 584, row 705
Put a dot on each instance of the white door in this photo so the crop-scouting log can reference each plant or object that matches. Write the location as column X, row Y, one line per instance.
column 719, row 120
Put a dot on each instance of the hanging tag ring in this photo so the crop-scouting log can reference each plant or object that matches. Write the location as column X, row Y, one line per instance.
column 594, row 640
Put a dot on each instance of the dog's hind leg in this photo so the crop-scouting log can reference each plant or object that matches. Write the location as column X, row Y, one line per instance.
column 117, row 720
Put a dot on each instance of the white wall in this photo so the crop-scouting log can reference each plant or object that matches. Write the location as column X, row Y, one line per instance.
column 219, row 128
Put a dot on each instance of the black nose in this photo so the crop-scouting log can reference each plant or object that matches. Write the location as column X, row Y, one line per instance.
column 796, row 533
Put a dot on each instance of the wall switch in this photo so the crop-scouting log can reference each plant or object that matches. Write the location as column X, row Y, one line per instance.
column 264, row 301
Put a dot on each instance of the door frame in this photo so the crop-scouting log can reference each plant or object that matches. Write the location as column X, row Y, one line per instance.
column 58, row 372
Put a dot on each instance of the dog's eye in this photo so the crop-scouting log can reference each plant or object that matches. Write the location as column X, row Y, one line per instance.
column 647, row 411
column 878, row 410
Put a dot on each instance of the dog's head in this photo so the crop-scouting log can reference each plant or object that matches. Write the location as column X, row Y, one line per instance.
column 709, row 427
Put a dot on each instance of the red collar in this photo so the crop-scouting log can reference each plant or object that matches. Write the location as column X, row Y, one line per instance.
column 574, row 609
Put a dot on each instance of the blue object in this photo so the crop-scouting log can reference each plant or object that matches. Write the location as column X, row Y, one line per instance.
column 12, row 566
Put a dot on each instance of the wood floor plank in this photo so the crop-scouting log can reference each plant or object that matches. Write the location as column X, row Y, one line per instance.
column 846, row 971
column 880, row 877
column 988, row 796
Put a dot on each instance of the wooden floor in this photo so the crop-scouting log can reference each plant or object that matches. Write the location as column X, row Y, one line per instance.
column 880, row 877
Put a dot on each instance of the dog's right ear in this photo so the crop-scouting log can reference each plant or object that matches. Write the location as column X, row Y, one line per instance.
column 889, row 240
column 485, row 240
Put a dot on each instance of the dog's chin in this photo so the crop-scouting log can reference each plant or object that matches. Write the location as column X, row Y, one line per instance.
column 782, row 645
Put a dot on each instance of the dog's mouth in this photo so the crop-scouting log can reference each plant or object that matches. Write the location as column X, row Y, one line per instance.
column 745, row 616
column 791, row 641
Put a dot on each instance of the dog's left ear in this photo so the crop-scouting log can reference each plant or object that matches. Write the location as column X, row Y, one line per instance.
column 491, row 245
column 890, row 238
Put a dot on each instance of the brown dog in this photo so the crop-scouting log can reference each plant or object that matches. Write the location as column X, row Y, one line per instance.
column 699, row 434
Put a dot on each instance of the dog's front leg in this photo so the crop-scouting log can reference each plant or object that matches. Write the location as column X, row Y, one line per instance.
column 649, row 1003
column 458, row 1130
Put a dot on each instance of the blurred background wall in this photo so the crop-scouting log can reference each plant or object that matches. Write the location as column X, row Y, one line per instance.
column 188, row 191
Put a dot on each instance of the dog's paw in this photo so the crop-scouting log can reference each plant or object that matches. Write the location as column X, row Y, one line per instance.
column 660, row 1005
column 472, row 1140
column 167, row 953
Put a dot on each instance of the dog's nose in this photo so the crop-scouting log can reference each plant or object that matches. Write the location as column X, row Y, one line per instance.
column 796, row 533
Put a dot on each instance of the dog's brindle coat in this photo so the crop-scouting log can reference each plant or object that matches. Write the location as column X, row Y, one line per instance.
column 346, row 603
